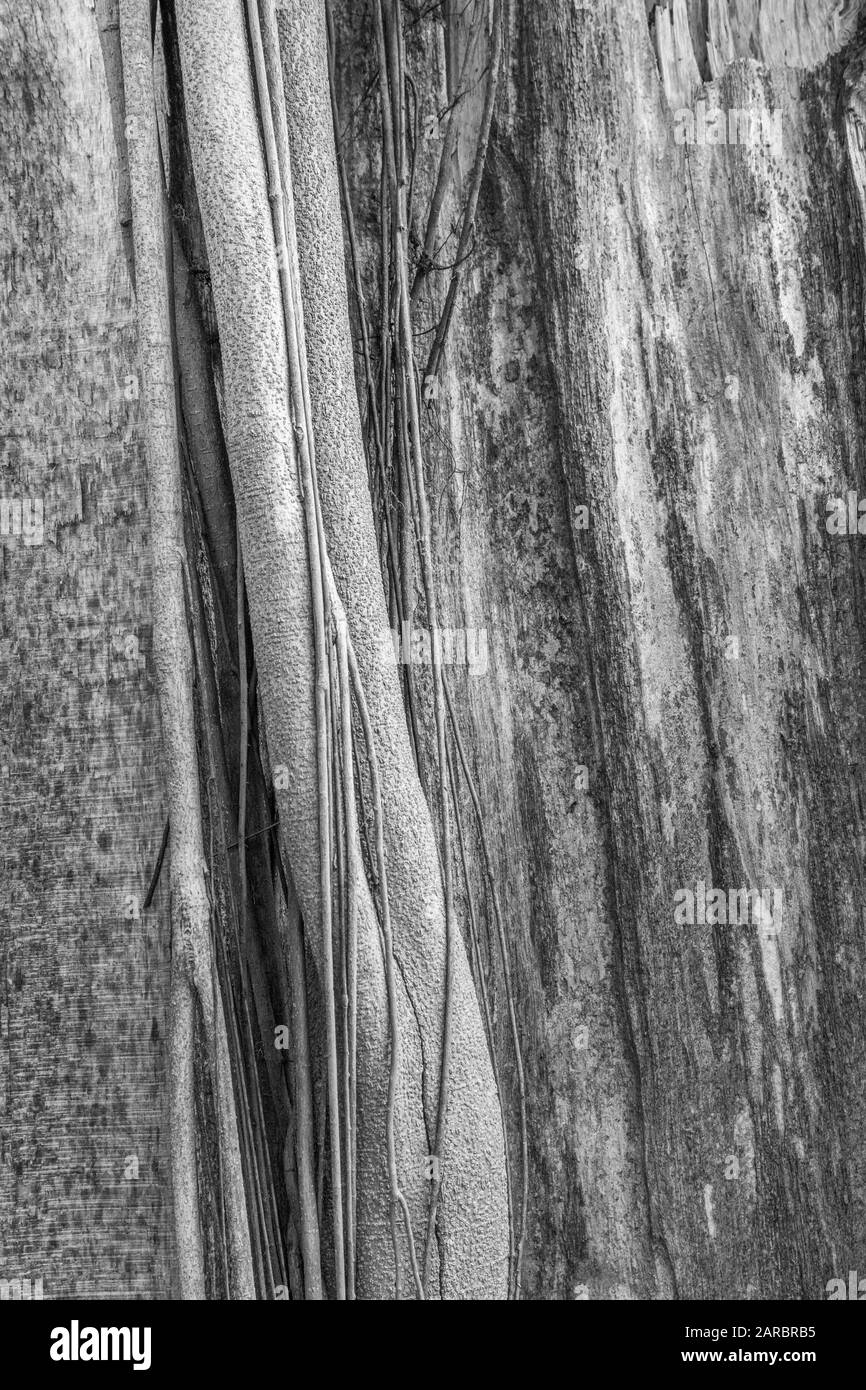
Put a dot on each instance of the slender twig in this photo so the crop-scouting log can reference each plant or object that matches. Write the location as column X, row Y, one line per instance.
column 509, row 986
column 474, row 191
column 157, row 868
column 351, row 931
column 399, row 197
column 243, row 741
column 352, row 239
column 340, row 918
column 397, row 1198
column 302, row 415
column 304, row 1107
column 445, row 173
column 484, row 996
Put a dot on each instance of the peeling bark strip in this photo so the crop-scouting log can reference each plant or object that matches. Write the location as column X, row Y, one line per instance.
column 108, row 18
column 193, row 964
column 695, row 42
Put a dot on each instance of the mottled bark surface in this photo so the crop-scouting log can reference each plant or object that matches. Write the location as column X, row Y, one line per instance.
column 84, row 1199
column 670, row 336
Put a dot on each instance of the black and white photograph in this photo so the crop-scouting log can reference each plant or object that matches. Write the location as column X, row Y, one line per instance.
column 432, row 668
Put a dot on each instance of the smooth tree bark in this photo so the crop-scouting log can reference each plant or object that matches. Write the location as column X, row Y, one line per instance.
column 649, row 391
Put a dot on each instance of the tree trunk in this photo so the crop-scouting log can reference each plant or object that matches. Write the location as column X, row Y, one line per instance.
column 649, row 396
column 84, row 1196
column 670, row 336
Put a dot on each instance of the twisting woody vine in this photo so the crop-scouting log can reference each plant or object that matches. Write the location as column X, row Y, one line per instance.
column 272, row 894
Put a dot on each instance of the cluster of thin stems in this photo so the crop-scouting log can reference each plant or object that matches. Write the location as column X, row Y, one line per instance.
column 339, row 693
column 210, row 975
column 393, row 439
column 346, row 757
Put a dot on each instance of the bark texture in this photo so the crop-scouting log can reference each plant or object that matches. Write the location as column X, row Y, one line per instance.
column 670, row 336
column 653, row 383
column 84, row 1176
